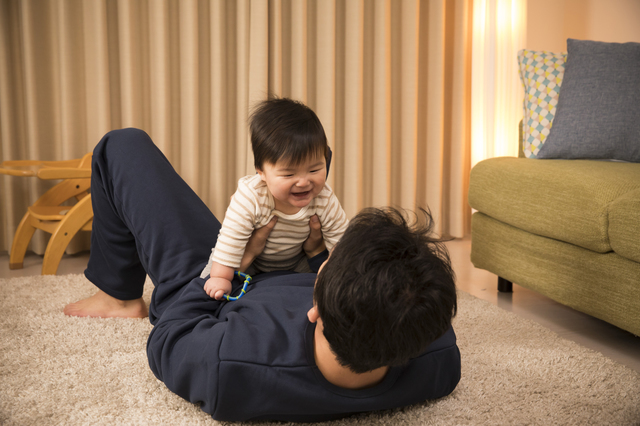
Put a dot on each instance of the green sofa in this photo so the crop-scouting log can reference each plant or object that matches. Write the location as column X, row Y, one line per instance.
column 568, row 229
column 562, row 219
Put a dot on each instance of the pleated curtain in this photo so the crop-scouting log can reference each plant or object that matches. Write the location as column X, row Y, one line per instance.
column 389, row 79
column 499, row 31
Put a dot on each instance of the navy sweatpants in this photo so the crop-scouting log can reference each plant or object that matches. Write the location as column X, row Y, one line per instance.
column 147, row 220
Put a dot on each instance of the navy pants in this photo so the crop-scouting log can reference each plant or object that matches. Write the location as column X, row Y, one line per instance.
column 147, row 220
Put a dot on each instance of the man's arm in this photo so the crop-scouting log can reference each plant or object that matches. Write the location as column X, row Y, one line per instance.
column 314, row 245
column 256, row 243
column 183, row 346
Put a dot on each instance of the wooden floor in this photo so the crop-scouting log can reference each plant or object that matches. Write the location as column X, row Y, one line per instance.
column 566, row 322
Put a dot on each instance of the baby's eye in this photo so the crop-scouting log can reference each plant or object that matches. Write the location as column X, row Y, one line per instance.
column 316, row 170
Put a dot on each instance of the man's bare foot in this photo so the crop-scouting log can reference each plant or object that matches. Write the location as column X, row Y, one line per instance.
column 104, row 306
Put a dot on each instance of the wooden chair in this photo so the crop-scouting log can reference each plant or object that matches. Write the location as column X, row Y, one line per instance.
column 47, row 213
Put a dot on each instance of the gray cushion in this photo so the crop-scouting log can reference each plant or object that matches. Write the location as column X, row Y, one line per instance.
column 598, row 114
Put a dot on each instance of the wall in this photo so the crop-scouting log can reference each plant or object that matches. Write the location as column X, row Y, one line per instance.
column 551, row 22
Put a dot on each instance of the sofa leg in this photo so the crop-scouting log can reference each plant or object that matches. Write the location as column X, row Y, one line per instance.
column 504, row 286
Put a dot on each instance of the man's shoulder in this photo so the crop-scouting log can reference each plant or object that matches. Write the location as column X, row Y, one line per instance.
column 286, row 278
column 446, row 341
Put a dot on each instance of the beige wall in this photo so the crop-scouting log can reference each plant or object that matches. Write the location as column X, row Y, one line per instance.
column 551, row 22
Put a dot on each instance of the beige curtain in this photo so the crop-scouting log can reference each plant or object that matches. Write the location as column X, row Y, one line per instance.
column 499, row 32
column 389, row 79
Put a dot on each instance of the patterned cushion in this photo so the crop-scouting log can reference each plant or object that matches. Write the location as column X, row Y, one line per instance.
column 541, row 73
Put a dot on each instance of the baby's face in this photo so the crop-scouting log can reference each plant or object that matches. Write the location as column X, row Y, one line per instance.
column 293, row 187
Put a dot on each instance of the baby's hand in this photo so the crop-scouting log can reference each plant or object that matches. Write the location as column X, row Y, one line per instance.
column 217, row 287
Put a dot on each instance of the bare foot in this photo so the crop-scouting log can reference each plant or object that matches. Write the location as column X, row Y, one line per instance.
column 104, row 306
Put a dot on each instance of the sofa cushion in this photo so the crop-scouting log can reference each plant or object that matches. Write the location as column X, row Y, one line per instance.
column 624, row 225
column 567, row 200
column 604, row 285
column 597, row 114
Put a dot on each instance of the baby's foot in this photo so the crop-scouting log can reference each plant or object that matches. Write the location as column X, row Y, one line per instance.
column 104, row 306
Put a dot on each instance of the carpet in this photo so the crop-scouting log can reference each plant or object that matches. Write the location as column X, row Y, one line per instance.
column 56, row 370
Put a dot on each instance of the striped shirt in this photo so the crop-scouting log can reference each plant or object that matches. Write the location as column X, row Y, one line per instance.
column 252, row 206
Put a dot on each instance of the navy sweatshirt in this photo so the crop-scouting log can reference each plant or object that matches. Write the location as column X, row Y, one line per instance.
column 253, row 359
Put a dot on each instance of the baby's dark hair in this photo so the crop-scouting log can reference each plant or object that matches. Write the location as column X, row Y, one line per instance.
column 288, row 130
column 387, row 290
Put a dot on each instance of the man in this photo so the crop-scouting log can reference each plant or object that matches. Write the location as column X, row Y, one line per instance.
column 374, row 333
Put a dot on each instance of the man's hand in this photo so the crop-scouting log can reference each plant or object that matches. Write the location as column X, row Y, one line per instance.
column 315, row 242
column 256, row 243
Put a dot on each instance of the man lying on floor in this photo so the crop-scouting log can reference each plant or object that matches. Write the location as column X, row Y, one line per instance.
column 371, row 331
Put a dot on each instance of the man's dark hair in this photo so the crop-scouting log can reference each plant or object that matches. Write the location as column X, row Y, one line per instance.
column 387, row 290
column 288, row 130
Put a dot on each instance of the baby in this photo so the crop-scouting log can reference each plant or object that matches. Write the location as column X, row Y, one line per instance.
column 291, row 157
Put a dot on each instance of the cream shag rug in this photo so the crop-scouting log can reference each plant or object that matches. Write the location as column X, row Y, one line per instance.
column 84, row 371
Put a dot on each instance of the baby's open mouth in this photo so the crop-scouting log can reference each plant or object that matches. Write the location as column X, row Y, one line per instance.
column 300, row 194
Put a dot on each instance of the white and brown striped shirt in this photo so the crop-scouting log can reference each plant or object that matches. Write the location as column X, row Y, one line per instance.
column 252, row 206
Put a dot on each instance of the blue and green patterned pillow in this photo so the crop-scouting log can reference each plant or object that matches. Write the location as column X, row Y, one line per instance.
column 541, row 73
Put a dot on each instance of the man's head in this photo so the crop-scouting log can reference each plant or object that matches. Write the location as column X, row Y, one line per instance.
column 386, row 292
